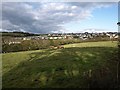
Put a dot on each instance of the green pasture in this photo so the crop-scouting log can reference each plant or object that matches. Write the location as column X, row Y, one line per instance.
column 82, row 65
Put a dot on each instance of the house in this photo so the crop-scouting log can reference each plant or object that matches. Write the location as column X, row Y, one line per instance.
column 116, row 37
column 69, row 37
column 14, row 42
column 26, row 38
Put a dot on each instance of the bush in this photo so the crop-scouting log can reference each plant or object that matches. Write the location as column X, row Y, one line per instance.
column 11, row 48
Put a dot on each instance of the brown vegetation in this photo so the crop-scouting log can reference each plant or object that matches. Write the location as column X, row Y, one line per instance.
column 60, row 47
column 56, row 47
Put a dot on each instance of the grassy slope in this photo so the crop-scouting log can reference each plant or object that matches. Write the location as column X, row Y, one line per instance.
column 78, row 65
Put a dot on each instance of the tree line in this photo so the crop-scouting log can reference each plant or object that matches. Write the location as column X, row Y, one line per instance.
column 27, row 45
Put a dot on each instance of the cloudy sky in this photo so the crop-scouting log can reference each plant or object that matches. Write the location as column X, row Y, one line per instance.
column 59, row 17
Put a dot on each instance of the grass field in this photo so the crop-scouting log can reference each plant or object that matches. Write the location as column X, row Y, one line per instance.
column 83, row 65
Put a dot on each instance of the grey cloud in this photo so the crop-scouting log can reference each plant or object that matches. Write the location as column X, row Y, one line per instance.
column 44, row 17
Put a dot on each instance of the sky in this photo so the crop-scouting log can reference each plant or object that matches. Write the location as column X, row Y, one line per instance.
column 59, row 17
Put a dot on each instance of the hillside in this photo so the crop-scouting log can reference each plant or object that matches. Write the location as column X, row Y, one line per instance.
column 17, row 34
column 83, row 65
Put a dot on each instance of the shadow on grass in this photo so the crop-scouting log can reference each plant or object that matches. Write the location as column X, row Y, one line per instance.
column 88, row 67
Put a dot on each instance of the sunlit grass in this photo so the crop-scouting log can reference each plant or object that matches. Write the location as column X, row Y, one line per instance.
column 68, row 67
column 93, row 44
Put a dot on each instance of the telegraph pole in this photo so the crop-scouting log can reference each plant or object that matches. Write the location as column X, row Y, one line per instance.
column 118, row 66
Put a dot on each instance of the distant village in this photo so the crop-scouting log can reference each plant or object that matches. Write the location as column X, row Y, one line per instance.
column 82, row 36
column 55, row 36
